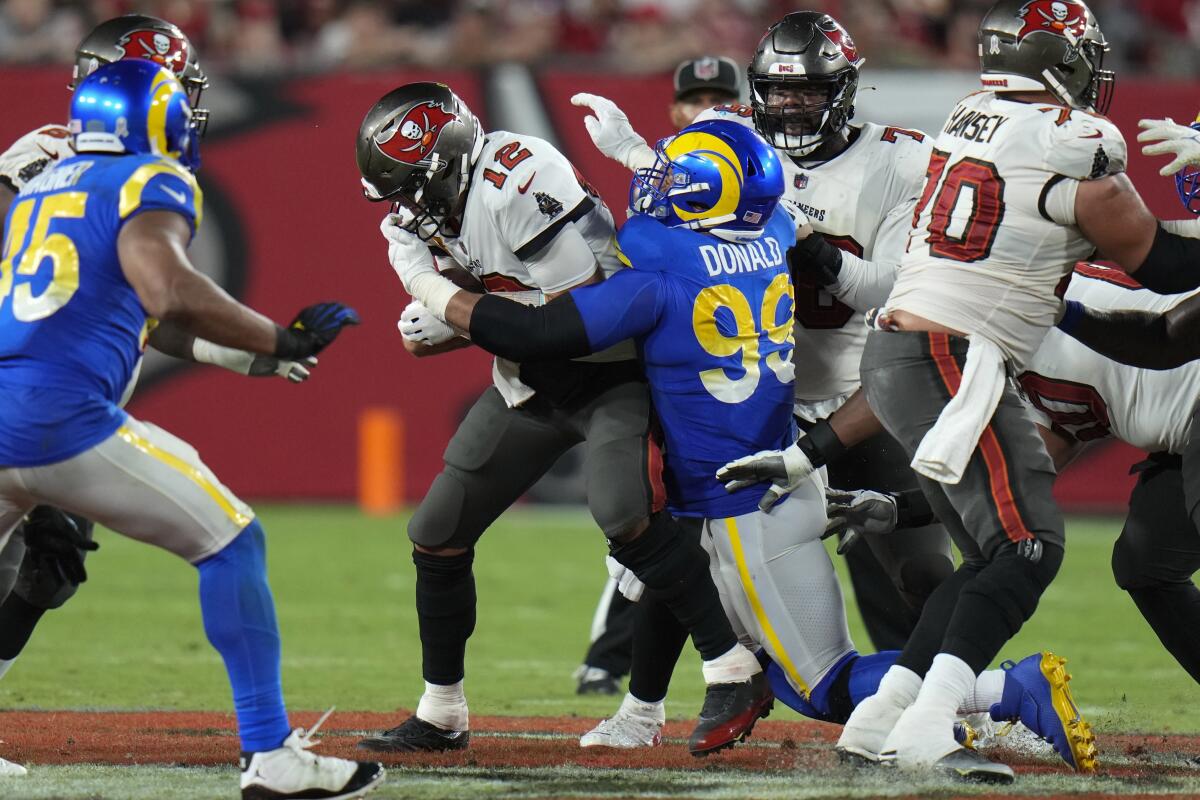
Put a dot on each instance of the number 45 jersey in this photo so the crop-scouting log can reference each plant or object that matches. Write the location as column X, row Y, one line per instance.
column 72, row 329
column 994, row 231
column 713, row 322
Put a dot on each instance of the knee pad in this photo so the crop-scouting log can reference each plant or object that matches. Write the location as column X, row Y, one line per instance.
column 435, row 523
column 1015, row 579
column 661, row 556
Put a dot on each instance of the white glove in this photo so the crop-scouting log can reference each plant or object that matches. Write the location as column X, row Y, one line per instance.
column 418, row 324
column 612, row 134
column 785, row 469
column 1182, row 141
column 853, row 514
column 413, row 263
column 35, row 151
column 627, row 583
column 252, row 364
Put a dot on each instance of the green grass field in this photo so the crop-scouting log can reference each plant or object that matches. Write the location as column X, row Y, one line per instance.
column 132, row 638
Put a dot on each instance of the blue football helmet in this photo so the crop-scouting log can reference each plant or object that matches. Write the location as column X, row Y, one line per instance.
column 135, row 106
column 1187, row 183
column 715, row 176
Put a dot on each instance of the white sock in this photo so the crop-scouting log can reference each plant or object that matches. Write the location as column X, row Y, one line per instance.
column 6, row 665
column 737, row 665
column 640, row 708
column 947, row 685
column 989, row 689
column 899, row 686
column 444, row 706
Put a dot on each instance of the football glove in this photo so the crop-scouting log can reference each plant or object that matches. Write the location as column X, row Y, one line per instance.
column 56, row 542
column 628, row 584
column 294, row 371
column 853, row 514
column 407, row 254
column 313, row 329
column 785, row 470
column 418, row 324
column 612, row 134
column 1181, row 141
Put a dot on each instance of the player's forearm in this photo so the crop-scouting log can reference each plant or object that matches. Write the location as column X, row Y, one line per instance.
column 172, row 340
column 855, row 422
column 422, row 350
column 519, row 332
column 197, row 306
column 863, row 285
column 1136, row 338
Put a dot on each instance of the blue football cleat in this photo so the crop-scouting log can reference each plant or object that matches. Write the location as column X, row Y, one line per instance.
column 1036, row 693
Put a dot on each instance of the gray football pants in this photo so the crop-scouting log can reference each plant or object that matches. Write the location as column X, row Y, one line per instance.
column 498, row 452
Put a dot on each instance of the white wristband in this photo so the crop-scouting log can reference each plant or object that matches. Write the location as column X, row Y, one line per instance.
column 206, row 352
column 433, row 290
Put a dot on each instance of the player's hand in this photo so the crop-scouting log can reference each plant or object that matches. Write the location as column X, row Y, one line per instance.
column 418, row 324
column 56, row 543
column 313, row 329
column 854, row 514
column 628, row 584
column 1181, row 141
column 785, row 470
column 294, row 371
column 407, row 254
column 612, row 134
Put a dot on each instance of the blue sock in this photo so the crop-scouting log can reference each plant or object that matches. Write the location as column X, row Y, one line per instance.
column 852, row 680
column 239, row 619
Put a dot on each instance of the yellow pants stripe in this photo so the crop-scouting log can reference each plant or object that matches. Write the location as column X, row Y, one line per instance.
column 780, row 655
column 190, row 472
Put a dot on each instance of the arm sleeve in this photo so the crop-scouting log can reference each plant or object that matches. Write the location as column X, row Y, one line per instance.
column 583, row 321
column 864, row 285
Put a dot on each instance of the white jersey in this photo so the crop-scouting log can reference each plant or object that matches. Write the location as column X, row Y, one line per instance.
column 32, row 153
column 523, row 193
column 995, row 233
column 862, row 201
column 1084, row 396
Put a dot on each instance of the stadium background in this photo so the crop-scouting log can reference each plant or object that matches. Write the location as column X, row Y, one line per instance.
column 286, row 223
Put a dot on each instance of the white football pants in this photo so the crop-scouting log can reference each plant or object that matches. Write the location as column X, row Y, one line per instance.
column 779, row 585
column 141, row 482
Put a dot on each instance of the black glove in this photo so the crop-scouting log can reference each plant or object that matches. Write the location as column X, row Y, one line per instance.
column 815, row 259
column 313, row 329
column 57, row 542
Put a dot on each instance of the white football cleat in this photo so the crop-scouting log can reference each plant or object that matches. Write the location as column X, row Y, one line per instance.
column 636, row 724
column 10, row 770
column 290, row 771
column 865, row 732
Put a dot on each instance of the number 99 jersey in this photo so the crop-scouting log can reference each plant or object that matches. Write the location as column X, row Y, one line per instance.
column 713, row 322
column 994, row 230
column 72, row 329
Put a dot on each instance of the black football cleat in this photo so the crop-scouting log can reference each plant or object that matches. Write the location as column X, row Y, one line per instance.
column 729, row 713
column 415, row 735
column 594, row 680
column 968, row 765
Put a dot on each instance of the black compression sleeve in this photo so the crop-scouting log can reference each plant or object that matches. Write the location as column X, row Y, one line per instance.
column 1172, row 265
column 529, row 333
column 913, row 509
column 821, row 444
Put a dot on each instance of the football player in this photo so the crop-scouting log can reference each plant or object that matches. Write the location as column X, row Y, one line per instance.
column 1046, row 172
column 42, row 565
column 857, row 183
column 95, row 252
column 700, row 84
column 707, row 296
column 516, row 218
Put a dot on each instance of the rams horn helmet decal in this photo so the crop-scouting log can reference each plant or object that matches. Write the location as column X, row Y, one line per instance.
column 411, row 138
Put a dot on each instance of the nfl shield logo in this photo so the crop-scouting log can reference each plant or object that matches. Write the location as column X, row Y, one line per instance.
column 801, row 181
column 707, row 68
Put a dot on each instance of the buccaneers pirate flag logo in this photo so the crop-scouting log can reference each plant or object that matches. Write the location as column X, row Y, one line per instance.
column 411, row 138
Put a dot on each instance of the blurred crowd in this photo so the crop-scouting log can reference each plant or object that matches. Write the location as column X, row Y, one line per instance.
column 262, row 37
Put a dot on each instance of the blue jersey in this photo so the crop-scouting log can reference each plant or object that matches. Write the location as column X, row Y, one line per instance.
column 713, row 321
column 71, row 327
